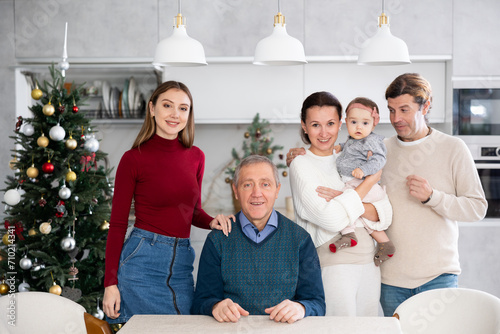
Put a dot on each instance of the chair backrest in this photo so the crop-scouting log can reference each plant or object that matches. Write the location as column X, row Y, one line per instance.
column 41, row 312
column 450, row 310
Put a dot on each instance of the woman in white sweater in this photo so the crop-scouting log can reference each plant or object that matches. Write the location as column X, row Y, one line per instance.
column 350, row 278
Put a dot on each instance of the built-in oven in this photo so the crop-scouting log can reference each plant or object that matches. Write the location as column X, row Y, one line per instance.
column 487, row 159
column 476, row 112
column 476, row 120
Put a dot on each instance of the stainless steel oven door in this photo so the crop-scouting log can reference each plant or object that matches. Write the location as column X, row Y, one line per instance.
column 489, row 173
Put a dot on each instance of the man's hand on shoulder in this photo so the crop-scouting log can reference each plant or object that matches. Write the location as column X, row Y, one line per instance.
column 286, row 311
column 228, row 311
column 293, row 153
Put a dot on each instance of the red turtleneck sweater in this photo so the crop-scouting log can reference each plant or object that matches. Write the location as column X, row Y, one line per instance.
column 164, row 180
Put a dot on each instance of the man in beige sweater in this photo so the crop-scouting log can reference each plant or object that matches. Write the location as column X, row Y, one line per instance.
column 432, row 183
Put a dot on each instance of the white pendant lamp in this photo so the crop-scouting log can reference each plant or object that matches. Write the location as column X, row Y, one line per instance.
column 279, row 48
column 383, row 48
column 179, row 49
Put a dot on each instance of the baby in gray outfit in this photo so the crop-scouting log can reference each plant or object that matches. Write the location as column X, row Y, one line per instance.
column 364, row 153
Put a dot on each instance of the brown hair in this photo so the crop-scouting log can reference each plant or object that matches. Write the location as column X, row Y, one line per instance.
column 186, row 135
column 412, row 84
column 318, row 99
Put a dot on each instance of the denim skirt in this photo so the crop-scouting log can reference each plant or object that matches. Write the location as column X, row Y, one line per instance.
column 155, row 275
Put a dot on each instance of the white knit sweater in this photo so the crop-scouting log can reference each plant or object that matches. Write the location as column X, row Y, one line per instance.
column 323, row 220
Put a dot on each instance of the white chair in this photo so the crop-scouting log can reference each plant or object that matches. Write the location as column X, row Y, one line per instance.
column 451, row 310
column 43, row 312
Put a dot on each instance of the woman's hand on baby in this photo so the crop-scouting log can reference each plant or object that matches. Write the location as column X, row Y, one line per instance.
column 293, row 153
column 358, row 173
column 337, row 148
column 328, row 193
column 222, row 222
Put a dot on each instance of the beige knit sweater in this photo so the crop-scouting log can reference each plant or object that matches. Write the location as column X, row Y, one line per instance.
column 426, row 235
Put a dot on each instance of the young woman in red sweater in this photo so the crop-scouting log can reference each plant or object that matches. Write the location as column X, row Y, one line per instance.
column 151, row 272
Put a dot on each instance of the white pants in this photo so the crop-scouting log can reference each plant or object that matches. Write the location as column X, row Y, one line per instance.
column 352, row 289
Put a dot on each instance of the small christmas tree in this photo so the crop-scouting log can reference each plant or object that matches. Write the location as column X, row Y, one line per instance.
column 58, row 201
column 258, row 140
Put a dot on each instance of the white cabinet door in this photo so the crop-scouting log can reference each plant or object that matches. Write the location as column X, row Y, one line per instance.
column 349, row 80
column 234, row 93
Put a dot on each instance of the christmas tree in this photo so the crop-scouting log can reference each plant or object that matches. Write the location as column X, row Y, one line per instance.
column 258, row 140
column 58, row 201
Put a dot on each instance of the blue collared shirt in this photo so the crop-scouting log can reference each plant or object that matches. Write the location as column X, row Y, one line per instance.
column 253, row 233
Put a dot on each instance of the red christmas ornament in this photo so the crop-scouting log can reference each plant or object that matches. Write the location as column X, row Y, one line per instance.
column 61, row 108
column 42, row 202
column 48, row 167
column 75, row 109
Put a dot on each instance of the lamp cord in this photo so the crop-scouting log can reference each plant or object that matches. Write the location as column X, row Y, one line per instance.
column 279, row 6
column 383, row 6
column 179, row 2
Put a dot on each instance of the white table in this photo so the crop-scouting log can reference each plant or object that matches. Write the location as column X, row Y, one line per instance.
column 148, row 324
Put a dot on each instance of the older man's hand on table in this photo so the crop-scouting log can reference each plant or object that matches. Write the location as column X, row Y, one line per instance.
column 286, row 311
column 228, row 311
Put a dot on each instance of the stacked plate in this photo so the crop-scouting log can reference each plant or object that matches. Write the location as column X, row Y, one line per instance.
column 128, row 103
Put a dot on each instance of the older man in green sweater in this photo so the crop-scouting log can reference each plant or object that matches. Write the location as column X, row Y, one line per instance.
column 267, row 264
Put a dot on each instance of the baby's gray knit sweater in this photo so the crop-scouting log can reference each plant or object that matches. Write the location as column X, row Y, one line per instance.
column 354, row 152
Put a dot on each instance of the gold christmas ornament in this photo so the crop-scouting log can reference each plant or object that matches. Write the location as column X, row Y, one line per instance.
column 71, row 143
column 228, row 180
column 12, row 163
column 247, row 134
column 55, row 289
column 285, row 173
column 269, row 151
column 32, row 172
column 32, row 232
column 42, row 141
column 48, row 109
column 36, row 93
column 5, row 239
column 70, row 176
column 45, row 228
column 4, row 288
column 104, row 226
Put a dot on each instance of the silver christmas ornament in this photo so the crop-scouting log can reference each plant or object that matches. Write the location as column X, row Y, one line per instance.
column 25, row 263
column 68, row 243
column 23, row 287
column 37, row 265
column 91, row 145
column 64, row 192
column 12, row 197
column 28, row 130
column 57, row 133
column 99, row 314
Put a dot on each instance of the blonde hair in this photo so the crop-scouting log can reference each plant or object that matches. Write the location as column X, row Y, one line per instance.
column 148, row 129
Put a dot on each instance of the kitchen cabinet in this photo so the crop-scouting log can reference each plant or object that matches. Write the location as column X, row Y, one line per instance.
column 109, row 88
column 349, row 80
column 233, row 90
